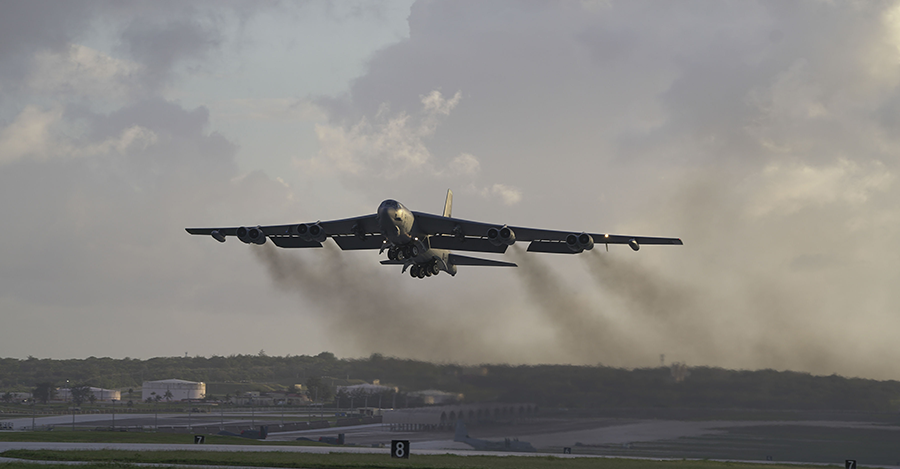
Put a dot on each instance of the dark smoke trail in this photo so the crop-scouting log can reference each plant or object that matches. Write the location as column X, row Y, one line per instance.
column 666, row 308
column 582, row 330
column 754, row 328
column 372, row 313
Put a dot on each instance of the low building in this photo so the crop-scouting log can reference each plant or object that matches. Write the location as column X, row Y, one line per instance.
column 365, row 389
column 445, row 417
column 100, row 394
column 178, row 389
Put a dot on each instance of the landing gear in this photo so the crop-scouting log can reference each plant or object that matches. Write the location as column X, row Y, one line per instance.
column 426, row 269
column 401, row 253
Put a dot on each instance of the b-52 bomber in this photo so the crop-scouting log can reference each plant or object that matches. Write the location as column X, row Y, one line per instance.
column 422, row 242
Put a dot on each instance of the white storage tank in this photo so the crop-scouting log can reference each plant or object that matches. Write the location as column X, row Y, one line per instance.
column 180, row 390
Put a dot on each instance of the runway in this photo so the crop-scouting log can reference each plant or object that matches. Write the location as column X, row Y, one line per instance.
column 873, row 443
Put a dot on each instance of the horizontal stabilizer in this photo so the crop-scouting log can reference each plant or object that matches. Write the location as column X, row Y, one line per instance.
column 456, row 259
column 294, row 242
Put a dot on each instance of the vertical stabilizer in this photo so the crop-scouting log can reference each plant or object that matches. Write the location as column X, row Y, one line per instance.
column 448, row 205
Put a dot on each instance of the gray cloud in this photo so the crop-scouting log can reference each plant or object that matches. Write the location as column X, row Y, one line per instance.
column 163, row 45
column 755, row 131
column 762, row 133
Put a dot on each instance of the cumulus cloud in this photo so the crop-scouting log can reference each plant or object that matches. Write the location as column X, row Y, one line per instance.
column 465, row 164
column 391, row 146
column 81, row 71
column 28, row 134
column 44, row 134
column 790, row 188
column 509, row 195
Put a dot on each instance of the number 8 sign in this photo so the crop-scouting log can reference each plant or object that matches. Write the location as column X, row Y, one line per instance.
column 400, row 449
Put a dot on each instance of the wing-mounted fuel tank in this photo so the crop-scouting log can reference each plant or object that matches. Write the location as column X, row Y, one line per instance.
column 580, row 242
column 251, row 235
column 311, row 232
column 503, row 235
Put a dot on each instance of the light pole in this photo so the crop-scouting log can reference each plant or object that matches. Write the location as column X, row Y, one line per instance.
column 71, row 398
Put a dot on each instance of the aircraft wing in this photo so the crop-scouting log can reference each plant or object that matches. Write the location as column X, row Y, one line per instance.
column 349, row 233
column 466, row 235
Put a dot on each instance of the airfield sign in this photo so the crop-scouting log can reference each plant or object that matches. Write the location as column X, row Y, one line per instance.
column 400, row 449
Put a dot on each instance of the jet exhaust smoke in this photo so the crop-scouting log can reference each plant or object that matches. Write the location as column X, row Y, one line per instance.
column 582, row 329
column 689, row 323
column 371, row 313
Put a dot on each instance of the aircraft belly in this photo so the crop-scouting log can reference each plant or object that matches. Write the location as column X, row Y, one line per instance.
column 430, row 254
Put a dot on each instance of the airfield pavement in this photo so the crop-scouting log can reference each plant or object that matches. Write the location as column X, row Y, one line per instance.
column 872, row 443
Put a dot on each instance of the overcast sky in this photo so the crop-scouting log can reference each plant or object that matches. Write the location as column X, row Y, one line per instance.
column 764, row 134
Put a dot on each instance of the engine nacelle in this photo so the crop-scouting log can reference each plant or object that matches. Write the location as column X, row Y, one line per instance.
column 634, row 244
column 311, row 232
column 242, row 235
column 316, row 233
column 256, row 235
column 218, row 236
column 502, row 235
column 585, row 241
column 572, row 243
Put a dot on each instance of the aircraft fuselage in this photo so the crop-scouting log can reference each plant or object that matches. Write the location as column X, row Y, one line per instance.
column 398, row 226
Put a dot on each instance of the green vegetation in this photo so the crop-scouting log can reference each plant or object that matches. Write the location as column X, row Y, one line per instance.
column 549, row 386
column 348, row 460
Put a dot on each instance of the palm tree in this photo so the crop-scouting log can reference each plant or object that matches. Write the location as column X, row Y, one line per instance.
column 168, row 395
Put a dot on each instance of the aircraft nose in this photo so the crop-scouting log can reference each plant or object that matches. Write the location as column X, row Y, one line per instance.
column 389, row 208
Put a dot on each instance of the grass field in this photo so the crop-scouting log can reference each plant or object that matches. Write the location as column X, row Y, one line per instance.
column 346, row 460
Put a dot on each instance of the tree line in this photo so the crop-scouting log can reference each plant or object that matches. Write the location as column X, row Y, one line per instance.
column 545, row 385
